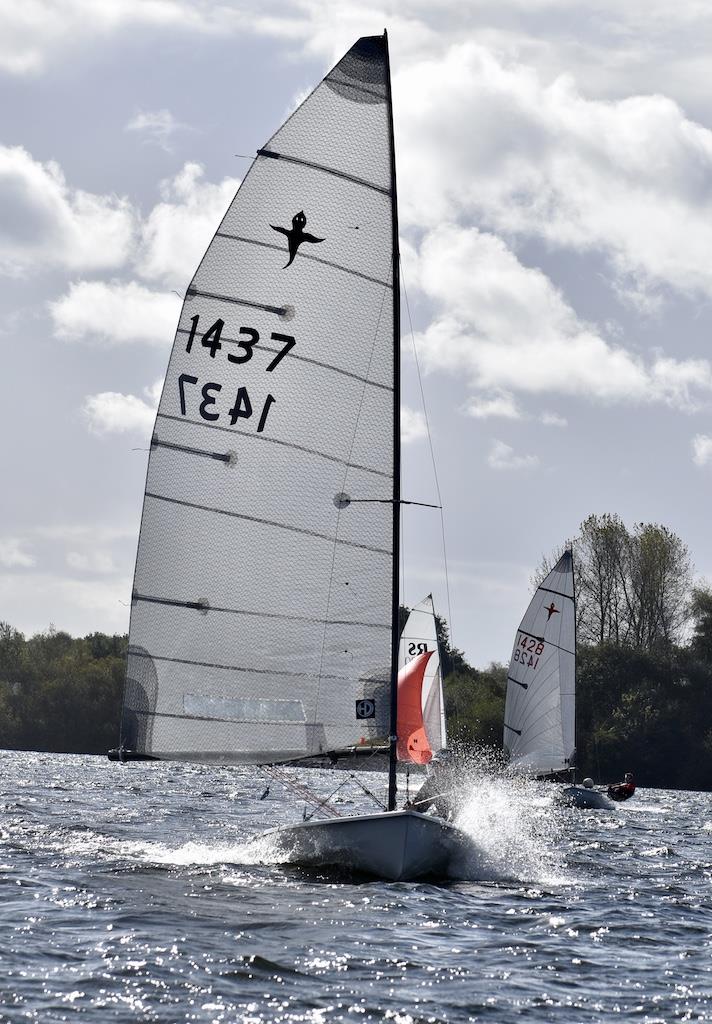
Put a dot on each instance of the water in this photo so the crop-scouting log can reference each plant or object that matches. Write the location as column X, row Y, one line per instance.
column 134, row 894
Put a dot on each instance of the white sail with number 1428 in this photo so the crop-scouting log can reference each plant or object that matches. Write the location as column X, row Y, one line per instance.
column 265, row 603
column 541, row 682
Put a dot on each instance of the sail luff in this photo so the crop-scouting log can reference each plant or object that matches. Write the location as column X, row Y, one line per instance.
column 395, row 607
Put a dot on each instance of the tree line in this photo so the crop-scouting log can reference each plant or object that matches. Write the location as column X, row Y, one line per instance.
column 644, row 661
column 644, row 676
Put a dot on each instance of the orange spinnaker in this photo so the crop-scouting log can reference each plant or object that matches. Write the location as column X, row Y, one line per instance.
column 413, row 744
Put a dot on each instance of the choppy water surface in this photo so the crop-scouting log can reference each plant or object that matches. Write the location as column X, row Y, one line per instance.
column 134, row 894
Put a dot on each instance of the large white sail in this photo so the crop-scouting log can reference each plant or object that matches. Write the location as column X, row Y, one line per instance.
column 540, row 707
column 420, row 635
column 261, row 621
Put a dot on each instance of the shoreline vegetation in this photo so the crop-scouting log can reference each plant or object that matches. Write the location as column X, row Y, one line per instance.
column 644, row 675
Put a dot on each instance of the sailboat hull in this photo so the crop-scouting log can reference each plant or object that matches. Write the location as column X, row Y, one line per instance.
column 592, row 799
column 397, row 845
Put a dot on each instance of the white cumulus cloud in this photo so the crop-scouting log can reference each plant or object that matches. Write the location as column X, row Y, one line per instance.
column 701, row 449
column 552, row 419
column 485, row 406
column 177, row 231
column 413, row 425
column 503, row 457
column 13, row 553
column 115, row 313
column 631, row 178
column 157, row 126
column 111, row 412
column 509, row 329
column 47, row 223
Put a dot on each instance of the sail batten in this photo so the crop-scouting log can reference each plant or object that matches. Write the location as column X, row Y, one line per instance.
column 272, row 440
column 324, row 169
column 277, row 310
column 287, row 337
column 306, row 256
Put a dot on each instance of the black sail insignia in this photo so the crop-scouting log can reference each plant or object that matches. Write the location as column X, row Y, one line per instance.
column 262, row 610
column 296, row 235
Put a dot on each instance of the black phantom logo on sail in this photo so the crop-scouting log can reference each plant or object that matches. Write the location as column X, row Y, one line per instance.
column 296, row 235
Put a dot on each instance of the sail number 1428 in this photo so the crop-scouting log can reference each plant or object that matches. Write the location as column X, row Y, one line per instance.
column 528, row 650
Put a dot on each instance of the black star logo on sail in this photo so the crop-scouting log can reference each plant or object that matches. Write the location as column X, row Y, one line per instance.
column 296, row 235
column 552, row 610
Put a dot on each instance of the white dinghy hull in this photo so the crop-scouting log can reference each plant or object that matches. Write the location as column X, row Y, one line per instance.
column 398, row 846
column 593, row 799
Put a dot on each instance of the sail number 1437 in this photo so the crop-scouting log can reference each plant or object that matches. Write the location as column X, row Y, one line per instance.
column 212, row 339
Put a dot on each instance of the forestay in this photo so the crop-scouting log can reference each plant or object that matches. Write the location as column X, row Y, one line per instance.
column 420, row 635
column 261, row 612
column 540, row 705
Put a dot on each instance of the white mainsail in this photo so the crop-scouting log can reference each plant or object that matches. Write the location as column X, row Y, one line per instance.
column 420, row 635
column 262, row 608
column 539, row 712
column 265, row 604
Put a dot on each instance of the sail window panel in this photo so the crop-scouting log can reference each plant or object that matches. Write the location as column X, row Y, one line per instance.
column 328, row 715
column 243, row 709
column 219, row 742
column 353, row 224
column 222, row 742
column 184, row 553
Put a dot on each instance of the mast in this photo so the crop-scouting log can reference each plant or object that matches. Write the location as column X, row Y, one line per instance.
column 395, row 608
column 570, row 549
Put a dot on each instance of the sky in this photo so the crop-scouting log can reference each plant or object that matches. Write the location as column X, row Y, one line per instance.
column 555, row 188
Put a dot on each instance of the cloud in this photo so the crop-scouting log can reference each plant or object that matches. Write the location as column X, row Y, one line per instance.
column 701, row 449
column 12, row 553
column 157, row 126
column 115, row 313
column 45, row 223
column 502, row 456
column 79, row 606
column 484, row 406
column 552, row 419
column 630, row 178
column 178, row 229
column 92, row 561
column 35, row 31
column 509, row 329
column 110, row 412
column 413, row 425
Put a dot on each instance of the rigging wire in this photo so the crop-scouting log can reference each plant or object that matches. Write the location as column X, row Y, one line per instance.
column 432, row 455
